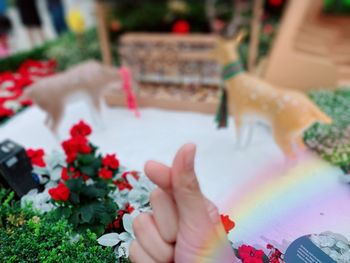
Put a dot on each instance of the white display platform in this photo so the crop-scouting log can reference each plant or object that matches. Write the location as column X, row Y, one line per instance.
column 269, row 200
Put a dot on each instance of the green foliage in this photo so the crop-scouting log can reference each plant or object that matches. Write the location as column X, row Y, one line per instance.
column 29, row 237
column 69, row 50
column 332, row 142
column 13, row 62
column 155, row 16
column 337, row 6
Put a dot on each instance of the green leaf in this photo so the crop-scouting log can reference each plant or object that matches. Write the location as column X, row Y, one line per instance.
column 74, row 185
column 91, row 191
column 105, row 218
column 89, row 170
column 65, row 211
column 85, row 159
column 74, row 218
column 74, row 198
column 86, row 212
column 98, row 229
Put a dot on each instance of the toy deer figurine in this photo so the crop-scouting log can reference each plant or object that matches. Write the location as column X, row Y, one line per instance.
column 91, row 78
column 288, row 112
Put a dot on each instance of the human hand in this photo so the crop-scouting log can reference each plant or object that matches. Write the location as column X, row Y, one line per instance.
column 184, row 227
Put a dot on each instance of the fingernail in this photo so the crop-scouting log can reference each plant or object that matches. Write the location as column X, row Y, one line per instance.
column 189, row 157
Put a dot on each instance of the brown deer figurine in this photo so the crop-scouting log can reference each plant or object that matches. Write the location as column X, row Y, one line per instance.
column 288, row 112
column 51, row 93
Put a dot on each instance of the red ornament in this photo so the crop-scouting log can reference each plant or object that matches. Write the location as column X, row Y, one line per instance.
column 268, row 29
column 60, row 193
column 181, row 27
column 275, row 3
column 227, row 223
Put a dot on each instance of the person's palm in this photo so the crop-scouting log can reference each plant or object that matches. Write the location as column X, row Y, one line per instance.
column 184, row 226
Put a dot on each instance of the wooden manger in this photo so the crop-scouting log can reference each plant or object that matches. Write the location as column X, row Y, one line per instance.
column 170, row 71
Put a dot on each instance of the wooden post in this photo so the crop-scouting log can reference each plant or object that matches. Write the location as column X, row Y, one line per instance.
column 103, row 33
column 255, row 34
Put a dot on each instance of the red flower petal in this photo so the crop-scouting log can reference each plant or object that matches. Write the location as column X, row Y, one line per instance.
column 80, row 129
column 227, row 223
column 105, row 173
column 60, row 193
column 110, row 161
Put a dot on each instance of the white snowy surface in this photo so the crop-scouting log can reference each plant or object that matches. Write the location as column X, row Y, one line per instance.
column 223, row 171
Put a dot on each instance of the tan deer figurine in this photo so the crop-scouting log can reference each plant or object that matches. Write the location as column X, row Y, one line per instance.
column 51, row 93
column 288, row 112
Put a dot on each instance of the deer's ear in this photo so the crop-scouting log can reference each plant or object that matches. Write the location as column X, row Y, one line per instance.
column 238, row 38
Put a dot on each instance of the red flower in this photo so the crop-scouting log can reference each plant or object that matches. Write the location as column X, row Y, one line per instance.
column 36, row 157
column 80, row 129
column 122, row 184
column 275, row 255
column 110, row 161
column 37, row 68
column 73, row 174
column 249, row 254
column 75, row 145
column 181, row 27
column 269, row 246
column 4, row 112
column 133, row 173
column 60, row 193
column 64, row 174
column 227, row 223
column 129, row 209
column 26, row 103
column 105, row 173
column 117, row 223
column 71, row 157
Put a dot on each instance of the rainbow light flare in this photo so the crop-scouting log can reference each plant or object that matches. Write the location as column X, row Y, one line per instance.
column 293, row 200
column 279, row 194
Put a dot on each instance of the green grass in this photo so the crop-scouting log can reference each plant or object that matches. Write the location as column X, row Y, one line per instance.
column 332, row 142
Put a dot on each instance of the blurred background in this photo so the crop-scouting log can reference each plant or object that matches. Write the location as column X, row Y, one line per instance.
column 155, row 59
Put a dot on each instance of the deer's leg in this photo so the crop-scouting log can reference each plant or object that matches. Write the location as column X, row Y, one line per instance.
column 285, row 142
column 95, row 99
column 47, row 120
column 56, row 116
column 96, row 102
column 300, row 143
column 239, row 127
column 249, row 127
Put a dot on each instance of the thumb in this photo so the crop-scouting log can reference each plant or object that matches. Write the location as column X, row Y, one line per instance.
column 187, row 194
